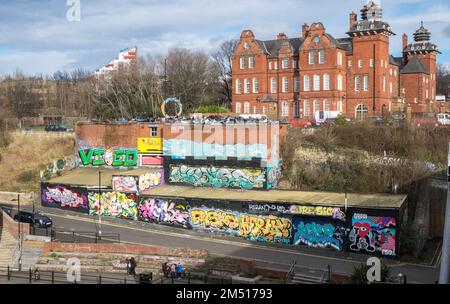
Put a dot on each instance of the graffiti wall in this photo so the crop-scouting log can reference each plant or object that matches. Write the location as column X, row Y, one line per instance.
column 318, row 232
column 164, row 211
column 64, row 197
column 248, row 179
column 115, row 204
column 146, row 160
column 253, row 227
column 109, row 157
column 125, row 183
column 373, row 234
column 149, row 145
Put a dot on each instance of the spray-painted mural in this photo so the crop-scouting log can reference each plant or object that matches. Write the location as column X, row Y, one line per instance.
column 59, row 166
column 124, row 183
column 372, row 234
column 319, row 233
column 218, row 177
column 333, row 212
column 254, row 227
column 164, row 211
column 114, row 204
column 273, row 176
column 64, row 197
column 150, row 180
column 108, row 157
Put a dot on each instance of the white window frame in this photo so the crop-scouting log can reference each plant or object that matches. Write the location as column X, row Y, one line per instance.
column 285, row 84
column 360, row 63
column 326, row 82
column 238, row 86
column 372, row 63
column 285, row 64
column 311, row 57
column 246, row 86
column 296, row 84
column 306, row 108
column 242, row 62
column 327, row 105
column 339, row 82
column 306, row 83
column 357, row 83
column 365, row 83
column 246, row 107
column 339, row 58
column 255, row 85
column 238, row 107
column 251, row 62
column 273, row 85
column 316, row 107
column 321, row 55
column 316, row 83
column 284, row 108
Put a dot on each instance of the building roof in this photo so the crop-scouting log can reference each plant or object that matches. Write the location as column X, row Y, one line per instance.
column 395, row 60
column 413, row 66
column 346, row 44
column 375, row 201
column 272, row 47
column 89, row 176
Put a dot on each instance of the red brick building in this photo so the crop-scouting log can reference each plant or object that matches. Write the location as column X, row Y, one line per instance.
column 290, row 78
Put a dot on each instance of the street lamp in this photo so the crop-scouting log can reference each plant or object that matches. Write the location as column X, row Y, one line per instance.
column 99, row 204
column 19, row 230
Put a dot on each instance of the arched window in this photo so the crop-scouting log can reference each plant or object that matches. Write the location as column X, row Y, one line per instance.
column 361, row 112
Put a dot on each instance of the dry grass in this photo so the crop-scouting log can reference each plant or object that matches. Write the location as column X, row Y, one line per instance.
column 27, row 154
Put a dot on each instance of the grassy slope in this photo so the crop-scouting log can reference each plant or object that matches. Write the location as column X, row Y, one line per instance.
column 27, row 154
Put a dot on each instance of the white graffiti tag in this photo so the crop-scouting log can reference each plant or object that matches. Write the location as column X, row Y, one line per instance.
column 65, row 197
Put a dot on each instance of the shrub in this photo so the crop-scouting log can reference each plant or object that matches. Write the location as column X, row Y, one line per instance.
column 359, row 274
column 27, row 176
column 212, row 108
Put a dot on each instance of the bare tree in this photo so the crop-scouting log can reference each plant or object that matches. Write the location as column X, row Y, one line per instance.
column 442, row 80
column 223, row 58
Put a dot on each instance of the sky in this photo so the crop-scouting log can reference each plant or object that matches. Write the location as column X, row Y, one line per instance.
column 48, row 35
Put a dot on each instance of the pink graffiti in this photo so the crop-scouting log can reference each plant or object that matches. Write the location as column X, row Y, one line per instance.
column 163, row 211
column 65, row 197
column 124, row 183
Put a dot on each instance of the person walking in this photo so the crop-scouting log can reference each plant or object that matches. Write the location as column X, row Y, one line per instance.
column 179, row 270
column 133, row 265
column 165, row 270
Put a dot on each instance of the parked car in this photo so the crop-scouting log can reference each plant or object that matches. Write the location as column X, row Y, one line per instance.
column 55, row 128
column 425, row 119
column 141, row 119
column 34, row 219
column 121, row 120
column 301, row 123
column 443, row 119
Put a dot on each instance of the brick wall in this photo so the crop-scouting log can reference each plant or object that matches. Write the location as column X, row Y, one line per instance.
column 6, row 222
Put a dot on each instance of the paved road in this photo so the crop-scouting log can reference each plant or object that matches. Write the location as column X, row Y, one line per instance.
column 307, row 260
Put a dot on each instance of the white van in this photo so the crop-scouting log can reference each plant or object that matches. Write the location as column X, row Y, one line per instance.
column 443, row 119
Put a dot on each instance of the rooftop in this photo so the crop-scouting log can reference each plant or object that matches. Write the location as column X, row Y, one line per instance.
column 385, row 201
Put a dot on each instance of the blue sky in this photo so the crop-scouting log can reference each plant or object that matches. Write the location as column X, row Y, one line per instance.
column 36, row 37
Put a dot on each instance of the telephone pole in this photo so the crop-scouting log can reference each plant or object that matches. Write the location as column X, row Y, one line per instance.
column 445, row 260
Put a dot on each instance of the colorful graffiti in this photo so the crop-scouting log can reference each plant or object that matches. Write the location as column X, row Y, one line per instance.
column 114, row 204
column 108, row 157
column 64, row 197
column 335, row 213
column 124, row 183
column 59, row 166
column 268, row 208
column 318, row 233
column 372, row 234
column 256, row 228
column 164, row 211
column 273, row 176
column 149, row 180
column 218, row 177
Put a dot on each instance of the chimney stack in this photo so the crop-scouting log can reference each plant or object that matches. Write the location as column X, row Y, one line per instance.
column 305, row 30
column 353, row 19
column 282, row 36
column 405, row 41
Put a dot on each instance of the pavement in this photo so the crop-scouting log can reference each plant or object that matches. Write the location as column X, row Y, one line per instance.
column 308, row 260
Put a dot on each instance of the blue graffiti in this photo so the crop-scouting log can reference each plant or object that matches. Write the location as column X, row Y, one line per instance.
column 319, row 235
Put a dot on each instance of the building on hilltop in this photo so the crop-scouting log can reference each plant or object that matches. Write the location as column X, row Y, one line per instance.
column 294, row 78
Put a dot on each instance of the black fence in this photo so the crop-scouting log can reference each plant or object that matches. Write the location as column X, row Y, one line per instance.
column 36, row 276
column 70, row 236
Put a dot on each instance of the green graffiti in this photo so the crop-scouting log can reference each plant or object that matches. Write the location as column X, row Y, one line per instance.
column 218, row 177
column 108, row 157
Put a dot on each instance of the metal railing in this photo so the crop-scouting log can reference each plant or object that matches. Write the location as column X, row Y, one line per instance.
column 36, row 276
column 72, row 236
column 290, row 272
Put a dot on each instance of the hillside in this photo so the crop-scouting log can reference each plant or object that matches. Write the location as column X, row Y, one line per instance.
column 27, row 154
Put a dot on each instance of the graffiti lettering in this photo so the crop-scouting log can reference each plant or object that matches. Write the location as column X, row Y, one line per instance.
column 124, row 183
column 335, row 213
column 256, row 228
column 218, row 177
column 373, row 234
column 164, row 211
column 320, row 235
column 113, row 204
column 150, row 180
column 65, row 197
column 268, row 208
column 108, row 157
